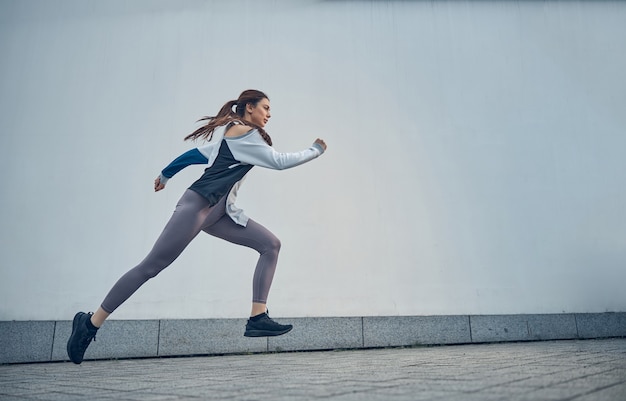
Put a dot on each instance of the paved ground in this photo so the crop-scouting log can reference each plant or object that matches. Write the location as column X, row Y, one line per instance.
column 581, row 370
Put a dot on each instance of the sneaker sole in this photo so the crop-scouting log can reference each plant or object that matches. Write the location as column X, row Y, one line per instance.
column 74, row 325
column 266, row 333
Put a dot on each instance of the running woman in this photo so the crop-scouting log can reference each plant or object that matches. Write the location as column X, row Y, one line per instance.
column 236, row 141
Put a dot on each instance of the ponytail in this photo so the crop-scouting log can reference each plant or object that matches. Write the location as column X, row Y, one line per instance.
column 227, row 115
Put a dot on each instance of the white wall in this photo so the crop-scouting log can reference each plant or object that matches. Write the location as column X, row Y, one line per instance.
column 475, row 161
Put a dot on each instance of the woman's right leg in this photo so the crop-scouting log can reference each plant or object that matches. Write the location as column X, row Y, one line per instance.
column 186, row 222
column 188, row 219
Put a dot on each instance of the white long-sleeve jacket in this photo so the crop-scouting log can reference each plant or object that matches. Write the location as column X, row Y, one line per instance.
column 229, row 160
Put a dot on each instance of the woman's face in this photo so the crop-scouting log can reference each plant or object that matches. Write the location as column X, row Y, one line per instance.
column 260, row 113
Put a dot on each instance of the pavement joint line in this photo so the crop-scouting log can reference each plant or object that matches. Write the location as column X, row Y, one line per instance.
column 362, row 331
column 595, row 390
column 54, row 331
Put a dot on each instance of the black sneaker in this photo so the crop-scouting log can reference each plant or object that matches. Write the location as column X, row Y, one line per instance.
column 81, row 337
column 264, row 326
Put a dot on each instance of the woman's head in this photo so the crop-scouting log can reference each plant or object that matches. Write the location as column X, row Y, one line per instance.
column 251, row 107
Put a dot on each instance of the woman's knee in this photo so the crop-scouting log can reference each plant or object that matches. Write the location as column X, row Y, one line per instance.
column 276, row 244
column 151, row 266
column 273, row 244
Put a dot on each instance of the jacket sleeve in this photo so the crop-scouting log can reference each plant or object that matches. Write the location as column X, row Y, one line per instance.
column 252, row 149
column 193, row 156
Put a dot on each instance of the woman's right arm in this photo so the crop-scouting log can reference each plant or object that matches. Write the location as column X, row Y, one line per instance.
column 193, row 156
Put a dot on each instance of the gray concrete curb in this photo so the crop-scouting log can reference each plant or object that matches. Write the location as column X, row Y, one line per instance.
column 45, row 341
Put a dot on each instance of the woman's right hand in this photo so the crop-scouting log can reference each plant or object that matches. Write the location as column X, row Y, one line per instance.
column 157, row 184
column 321, row 143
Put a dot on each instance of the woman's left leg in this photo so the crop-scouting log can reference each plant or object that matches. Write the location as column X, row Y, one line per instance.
column 259, row 238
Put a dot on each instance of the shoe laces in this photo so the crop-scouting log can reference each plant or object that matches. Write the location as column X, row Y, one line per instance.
column 269, row 320
column 86, row 340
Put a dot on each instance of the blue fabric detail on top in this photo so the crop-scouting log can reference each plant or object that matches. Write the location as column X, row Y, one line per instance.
column 190, row 157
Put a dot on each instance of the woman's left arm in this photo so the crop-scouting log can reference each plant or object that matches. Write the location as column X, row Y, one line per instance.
column 252, row 149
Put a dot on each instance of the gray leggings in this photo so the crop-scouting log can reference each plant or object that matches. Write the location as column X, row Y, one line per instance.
column 192, row 215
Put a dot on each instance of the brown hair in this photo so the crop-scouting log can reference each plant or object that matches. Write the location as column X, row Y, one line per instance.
column 227, row 115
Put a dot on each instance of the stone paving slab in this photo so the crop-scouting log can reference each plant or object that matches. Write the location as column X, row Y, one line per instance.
column 118, row 339
column 598, row 325
column 385, row 331
column 565, row 370
column 318, row 334
column 552, row 326
column 494, row 328
column 26, row 341
column 201, row 337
